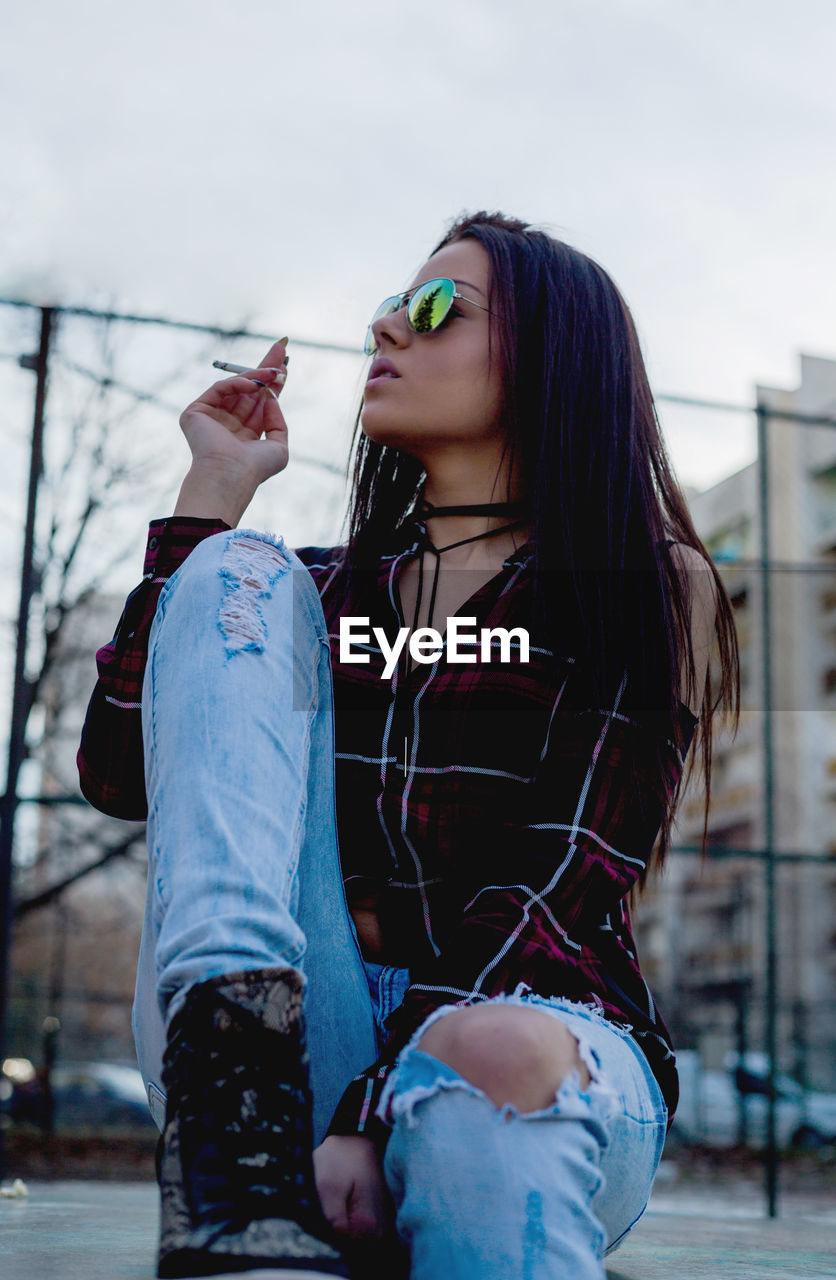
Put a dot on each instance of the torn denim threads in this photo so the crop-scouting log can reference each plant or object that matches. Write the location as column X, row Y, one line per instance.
column 243, row 860
column 491, row 1193
column 251, row 567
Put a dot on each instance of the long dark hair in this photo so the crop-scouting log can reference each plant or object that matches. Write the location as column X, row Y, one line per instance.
column 603, row 501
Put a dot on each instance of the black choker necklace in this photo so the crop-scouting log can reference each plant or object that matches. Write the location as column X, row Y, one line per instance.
column 426, row 511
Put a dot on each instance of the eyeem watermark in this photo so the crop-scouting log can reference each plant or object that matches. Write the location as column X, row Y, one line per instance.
column 426, row 644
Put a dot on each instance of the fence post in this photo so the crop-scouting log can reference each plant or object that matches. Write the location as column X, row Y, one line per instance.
column 771, row 1152
column 20, row 698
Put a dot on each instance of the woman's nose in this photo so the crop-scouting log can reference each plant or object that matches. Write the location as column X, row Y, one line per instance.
column 393, row 327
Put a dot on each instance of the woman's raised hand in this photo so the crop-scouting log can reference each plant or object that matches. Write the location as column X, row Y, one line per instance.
column 238, row 438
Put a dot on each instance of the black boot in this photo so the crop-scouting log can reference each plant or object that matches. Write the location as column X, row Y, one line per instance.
column 236, row 1162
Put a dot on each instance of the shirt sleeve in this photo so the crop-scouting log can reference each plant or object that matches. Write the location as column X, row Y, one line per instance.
column 541, row 888
column 110, row 758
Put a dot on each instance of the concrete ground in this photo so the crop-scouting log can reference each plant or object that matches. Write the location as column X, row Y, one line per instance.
column 107, row 1230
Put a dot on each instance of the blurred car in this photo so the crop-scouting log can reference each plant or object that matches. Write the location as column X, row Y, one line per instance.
column 86, row 1095
column 713, row 1104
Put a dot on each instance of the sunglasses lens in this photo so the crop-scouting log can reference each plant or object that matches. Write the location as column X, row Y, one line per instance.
column 387, row 306
column 429, row 305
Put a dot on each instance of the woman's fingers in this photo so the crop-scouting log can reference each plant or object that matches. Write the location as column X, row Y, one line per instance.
column 275, row 357
column 244, row 399
column 333, row 1191
column 239, row 417
column 351, row 1188
column 243, row 384
column 270, row 373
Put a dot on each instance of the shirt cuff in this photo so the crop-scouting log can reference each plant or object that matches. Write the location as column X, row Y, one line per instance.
column 171, row 540
column 356, row 1113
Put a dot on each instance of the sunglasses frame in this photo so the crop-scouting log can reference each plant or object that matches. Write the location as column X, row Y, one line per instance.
column 403, row 300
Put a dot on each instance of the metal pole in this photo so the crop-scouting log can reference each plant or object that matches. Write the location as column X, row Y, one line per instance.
column 21, row 695
column 771, row 1153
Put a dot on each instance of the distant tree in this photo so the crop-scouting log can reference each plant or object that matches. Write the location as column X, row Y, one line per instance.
column 99, row 454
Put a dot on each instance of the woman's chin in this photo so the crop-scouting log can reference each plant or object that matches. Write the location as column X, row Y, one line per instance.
column 386, row 433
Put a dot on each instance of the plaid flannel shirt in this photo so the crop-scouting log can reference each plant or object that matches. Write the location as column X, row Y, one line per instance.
column 486, row 809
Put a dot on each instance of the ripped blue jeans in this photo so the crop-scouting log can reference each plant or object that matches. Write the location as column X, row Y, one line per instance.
column 244, row 872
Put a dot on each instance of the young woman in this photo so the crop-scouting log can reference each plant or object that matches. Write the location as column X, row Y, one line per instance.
column 480, row 1072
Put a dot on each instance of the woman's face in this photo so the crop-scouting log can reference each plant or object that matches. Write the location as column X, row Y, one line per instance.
column 445, row 392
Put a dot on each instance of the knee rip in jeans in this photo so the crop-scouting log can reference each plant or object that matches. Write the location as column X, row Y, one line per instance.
column 418, row 1077
column 252, row 564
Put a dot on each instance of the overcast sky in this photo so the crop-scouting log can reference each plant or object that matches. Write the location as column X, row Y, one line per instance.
column 292, row 164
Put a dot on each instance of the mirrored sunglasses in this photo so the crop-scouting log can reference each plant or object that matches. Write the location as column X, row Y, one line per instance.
column 426, row 308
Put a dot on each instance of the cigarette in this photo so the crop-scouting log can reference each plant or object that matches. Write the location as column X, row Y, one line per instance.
column 235, row 368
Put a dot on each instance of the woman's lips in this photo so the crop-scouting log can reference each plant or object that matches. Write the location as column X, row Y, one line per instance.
column 381, row 371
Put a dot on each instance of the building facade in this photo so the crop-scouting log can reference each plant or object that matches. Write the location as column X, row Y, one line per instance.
column 702, row 926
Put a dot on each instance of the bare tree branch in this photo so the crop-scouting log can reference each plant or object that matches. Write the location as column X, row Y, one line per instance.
column 24, row 905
